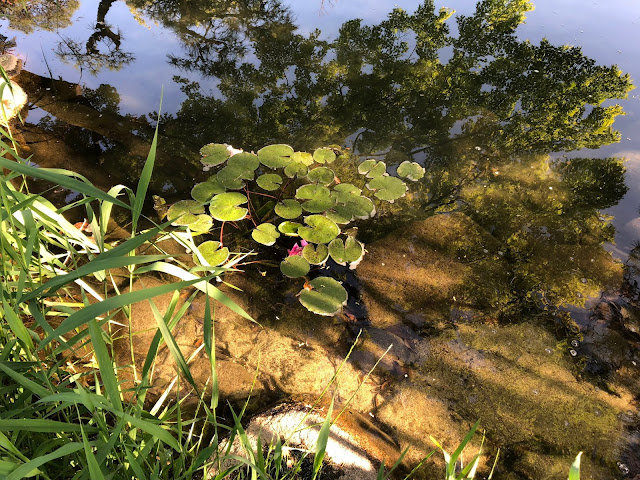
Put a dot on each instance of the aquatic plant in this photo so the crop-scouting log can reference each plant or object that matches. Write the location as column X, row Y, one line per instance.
column 279, row 193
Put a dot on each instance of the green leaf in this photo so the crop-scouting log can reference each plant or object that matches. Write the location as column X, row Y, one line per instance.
column 275, row 156
column 326, row 297
column 244, row 161
column 304, row 158
column 344, row 192
column 202, row 224
column 212, row 253
column 324, row 155
column 411, row 171
column 288, row 209
column 184, row 212
column 372, row 169
column 294, row 266
column 295, row 169
column 203, row 192
column 350, row 251
column 359, row 208
column 231, row 177
column 387, row 188
column 321, row 444
column 320, row 230
column 224, row 207
column 290, row 229
column 574, row 471
column 214, row 154
column 315, row 256
column 318, row 198
column 269, row 181
column 265, row 233
column 322, row 175
column 30, row 468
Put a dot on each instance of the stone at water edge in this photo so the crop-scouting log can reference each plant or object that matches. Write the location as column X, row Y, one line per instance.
column 13, row 96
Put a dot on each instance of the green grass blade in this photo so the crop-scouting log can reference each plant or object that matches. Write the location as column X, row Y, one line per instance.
column 94, row 469
column 574, row 471
column 321, row 445
column 105, row 364
column 30, row 385
column 28, row 469
column 39, row 425
column 135, row 466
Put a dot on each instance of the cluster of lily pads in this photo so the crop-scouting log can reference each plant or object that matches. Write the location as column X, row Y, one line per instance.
column 282, row 193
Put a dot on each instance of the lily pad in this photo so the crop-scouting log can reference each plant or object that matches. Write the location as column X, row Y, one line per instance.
column 184, row 212
column 320, row 230
column 350, row 251
column 212, row 253
column 304, row 158
column 326, row 297
column 294, row 266
column 288, row 209
column 343, row 192
column 318, row 198
column 315, row 255
column 224, row 207
column 290, row 229
column 203, row 192
column 372, row 169
column 275, row 156
column 265, row 233
column 321, row 175
column 296, row 169
column 324, row 155
column 359, row 208
column 411, row 171
column 202, row 224
column 269, row 181
column 214, row 154
column 387, row 188
column 231, row 177
column 244, row 161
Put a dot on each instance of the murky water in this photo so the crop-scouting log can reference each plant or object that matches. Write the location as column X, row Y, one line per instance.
column 480, row 277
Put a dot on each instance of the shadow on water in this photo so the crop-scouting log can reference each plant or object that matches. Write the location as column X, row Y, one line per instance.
column 497, row 237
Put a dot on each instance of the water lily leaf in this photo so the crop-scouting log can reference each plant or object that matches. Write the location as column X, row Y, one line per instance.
column 318, row 198
column 212, row 253
column 294, row 266
column 288, row 209
column 350, row 251
column 290, row 229
column 387, row 188
column 296, row 169
column 275, row 156
column 372, row 169
column 359, row 208
column 315, row 256
column 326, row 297
column 202, row 224
column 224, row 207
column 231, row 177
column 203, row 192
column 322, row 175
column 244, row 161
column 269, row 181
column 343, row 192
column 265, row 233
column 304, row 158
column 411, row 171
column 184, row 212
column 324, row 155
column 214, row 154
column 320, row 230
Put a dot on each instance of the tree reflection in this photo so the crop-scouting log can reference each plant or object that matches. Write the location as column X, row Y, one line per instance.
column 30, row 15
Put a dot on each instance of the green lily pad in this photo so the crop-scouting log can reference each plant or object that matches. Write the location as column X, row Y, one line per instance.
column 350, row 251
column 265, row 233
column 288, row 209
column 231, row 177
column 320, row 230
column 359, row 208
column 212, row 253
column 324, row 155
column 244, row 161
column 318, row 198
column 224, row 207
column 326, row 297
column 275, row 156
column 202, row 224
column 322, row 175
column 214, row 154
column 372, row 169
column 295, row 169
column 290, row 229
column 411, row 171
column 315, row 255
column 203, row 192
column 184, row 212
column 343, row 192
column 269, row 181
column 304, row 158
column 387, row 188
column 294, row 266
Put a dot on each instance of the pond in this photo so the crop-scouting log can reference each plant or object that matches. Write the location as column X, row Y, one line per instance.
column 505, row 276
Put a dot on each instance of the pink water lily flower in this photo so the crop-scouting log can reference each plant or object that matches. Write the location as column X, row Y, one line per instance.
column 297, row 249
